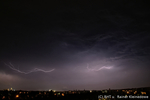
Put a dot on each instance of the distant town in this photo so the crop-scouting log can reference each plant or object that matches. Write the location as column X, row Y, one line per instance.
column 107, row 94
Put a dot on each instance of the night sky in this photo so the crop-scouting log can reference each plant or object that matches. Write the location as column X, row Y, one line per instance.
column 69, row 45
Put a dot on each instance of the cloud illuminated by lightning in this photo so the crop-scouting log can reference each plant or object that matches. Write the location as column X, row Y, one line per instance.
column 34, row 70
column 97, row 69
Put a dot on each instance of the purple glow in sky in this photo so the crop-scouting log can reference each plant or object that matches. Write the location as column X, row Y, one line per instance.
column 74, row 45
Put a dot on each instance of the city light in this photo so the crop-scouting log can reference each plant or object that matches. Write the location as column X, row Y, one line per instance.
column 62, row 94
column 135, row 92
column 143, row 92
column 58, row 93
column 17, row 96
column 50, row 89
column 69, row 94
column 3, row 97
column 123, row 90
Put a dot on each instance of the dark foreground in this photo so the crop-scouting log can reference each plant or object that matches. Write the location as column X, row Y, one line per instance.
column 120, row 94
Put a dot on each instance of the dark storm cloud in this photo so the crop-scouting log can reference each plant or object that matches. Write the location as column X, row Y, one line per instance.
column 93, row 46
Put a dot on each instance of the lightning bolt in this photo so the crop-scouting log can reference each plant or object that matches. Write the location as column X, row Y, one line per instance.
column 34, row 70
column 101, row 68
